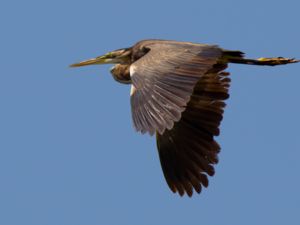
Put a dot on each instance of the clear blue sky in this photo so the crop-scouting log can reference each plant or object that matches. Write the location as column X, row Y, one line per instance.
column 68, row 152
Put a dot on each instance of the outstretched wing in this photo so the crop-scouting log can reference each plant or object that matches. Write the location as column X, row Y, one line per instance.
column 163, row 81
column 188, row 151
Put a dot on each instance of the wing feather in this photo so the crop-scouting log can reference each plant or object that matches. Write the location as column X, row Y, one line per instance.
column 188, row 151
column 164, row 80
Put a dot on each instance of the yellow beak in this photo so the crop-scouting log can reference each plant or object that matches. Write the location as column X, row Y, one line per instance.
column 94, row 61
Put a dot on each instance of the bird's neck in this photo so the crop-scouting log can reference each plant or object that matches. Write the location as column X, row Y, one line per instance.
column 120, row 73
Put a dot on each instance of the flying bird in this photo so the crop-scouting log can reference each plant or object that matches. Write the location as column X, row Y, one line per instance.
column 177, row 92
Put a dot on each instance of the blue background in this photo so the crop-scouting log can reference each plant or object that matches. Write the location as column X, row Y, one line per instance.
column 68, row 152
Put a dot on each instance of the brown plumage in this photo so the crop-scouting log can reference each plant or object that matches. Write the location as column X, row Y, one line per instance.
column 188, row 151
column 178, row 91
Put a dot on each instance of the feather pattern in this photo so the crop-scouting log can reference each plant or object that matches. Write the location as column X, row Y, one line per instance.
column 188, row 151
column 164, row 80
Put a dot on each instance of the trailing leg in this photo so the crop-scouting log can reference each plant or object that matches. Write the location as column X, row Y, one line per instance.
column 238, row 57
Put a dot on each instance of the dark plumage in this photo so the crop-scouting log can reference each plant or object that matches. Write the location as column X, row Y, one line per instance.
column 178, row 91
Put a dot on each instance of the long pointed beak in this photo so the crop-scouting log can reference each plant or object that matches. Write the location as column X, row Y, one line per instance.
column 94, row 61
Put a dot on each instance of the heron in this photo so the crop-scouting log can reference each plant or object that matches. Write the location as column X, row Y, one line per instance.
column 178, row 92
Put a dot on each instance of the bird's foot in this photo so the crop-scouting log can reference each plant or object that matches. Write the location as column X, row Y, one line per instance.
column 278, row 60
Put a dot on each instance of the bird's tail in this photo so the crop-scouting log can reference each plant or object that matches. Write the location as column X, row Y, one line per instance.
column 238, row 57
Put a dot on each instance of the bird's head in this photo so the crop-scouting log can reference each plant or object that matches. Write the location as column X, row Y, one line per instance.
column 121, row 56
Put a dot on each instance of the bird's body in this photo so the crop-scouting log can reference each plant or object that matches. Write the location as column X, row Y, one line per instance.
column 178, row 91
